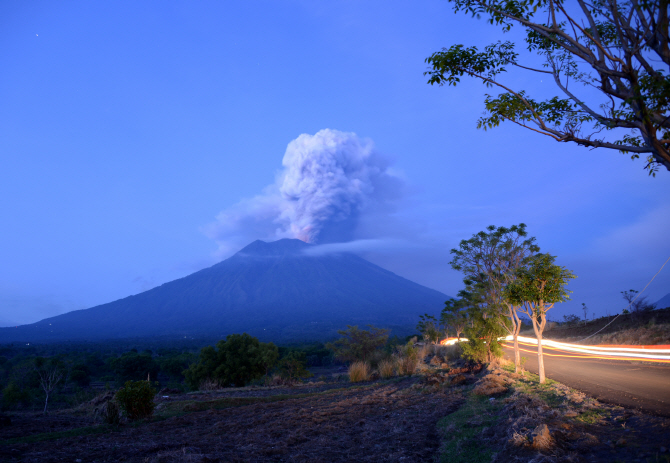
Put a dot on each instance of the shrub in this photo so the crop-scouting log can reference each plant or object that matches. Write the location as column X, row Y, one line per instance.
column 292, row 366
column 136, row 399
column 386, row 368
column 359, row 371
column 358, row 345
column 237, row 360
column 12, row 395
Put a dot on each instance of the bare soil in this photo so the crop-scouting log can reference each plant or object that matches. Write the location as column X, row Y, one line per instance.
column 380, row 421
column 492, row 413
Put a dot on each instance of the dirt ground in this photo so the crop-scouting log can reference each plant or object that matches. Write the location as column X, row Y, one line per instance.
column 406, row 419
column 382, row 421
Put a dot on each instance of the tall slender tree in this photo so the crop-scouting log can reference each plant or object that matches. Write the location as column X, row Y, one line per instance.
column 538, row 286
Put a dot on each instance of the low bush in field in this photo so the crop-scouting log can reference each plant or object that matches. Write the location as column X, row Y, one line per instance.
column 136, row 399
column 359, row 371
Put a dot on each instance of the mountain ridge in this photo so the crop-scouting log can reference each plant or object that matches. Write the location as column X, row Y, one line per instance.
column 272, row 290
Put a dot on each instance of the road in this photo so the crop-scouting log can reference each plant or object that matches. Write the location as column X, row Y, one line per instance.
column 633, row 384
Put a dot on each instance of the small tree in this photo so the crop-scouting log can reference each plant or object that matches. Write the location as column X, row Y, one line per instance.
column 455, row 316
column 238, row 359
column 356, row 344
column 489, row 261
column 586, row 311
column 637, row 304
column 537, row 288
column 51, row 372
column 429, row 327
column 292, row 366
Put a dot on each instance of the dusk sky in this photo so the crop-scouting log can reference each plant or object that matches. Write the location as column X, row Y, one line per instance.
column 142, row 141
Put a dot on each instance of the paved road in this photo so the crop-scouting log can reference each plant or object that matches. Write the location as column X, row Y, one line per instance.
column 640, row 385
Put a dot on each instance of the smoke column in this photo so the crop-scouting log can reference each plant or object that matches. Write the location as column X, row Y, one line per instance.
column 329, row 181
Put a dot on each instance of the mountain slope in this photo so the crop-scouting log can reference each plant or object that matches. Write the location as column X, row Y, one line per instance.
column 663, row 302
column 272, row 290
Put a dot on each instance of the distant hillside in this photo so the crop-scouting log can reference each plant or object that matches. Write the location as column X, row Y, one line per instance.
column 663, row 302
column 655, row 320
column 272, row 290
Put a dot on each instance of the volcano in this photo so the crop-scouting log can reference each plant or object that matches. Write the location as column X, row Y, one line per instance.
column 281, row 290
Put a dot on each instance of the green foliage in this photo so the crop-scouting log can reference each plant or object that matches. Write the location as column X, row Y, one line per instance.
column 483, row 335
column 539, row 285
column 175, row 364
column 429, row 327
column 358, row 345
column 237, row 360
column 616, row 52
column 136, row 399
column 80, row 375
column 292, row 366
column 454, row 315
column 132, row 366
column 13, row 395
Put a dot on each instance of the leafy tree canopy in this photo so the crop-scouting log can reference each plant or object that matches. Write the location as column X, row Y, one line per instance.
column 358, row 345
column 617, row 48
column 237, row 360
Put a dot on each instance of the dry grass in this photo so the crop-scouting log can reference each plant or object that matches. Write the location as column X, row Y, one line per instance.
column 491, row 385
column 649, row 334
column 210, row 385
column 406, row 364
column 386, row 368
column 359, row 371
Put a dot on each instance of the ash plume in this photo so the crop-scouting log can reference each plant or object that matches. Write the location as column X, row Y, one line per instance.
column 329, row 182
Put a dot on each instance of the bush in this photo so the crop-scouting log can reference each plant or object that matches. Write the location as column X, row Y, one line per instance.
column 237, row 360
column 12, row 395
column 136, row 399
column 359, row 371
column 292, row 366
column 358, row 345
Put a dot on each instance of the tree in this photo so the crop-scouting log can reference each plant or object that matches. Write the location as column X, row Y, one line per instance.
column 454, row 315
column 429, row 327
column 132, row 366
column 619, row 48
column 292, row 366
column 489, row 261
column 635, row 303
column 237, row 360
column 585, row 309
column 358, row 345
column 538, row 286
column 51, row 372
column 487, row 323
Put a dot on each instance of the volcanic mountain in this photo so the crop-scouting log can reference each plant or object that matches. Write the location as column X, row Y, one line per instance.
column 280, row 290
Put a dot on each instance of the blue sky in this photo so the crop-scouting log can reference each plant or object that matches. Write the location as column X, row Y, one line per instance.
column 126, row 128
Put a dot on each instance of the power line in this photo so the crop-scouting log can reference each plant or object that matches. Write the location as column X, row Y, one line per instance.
column 631, row 303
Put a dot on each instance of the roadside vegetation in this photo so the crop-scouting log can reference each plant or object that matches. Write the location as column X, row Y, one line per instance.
column 419, row 402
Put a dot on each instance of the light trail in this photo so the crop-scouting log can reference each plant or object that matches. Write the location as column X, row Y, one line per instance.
column 660, row 353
